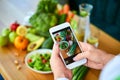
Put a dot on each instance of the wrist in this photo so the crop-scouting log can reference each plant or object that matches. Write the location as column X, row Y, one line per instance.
column 62, row 79
column 59, row 76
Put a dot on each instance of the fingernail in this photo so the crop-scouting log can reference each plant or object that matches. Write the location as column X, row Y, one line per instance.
column 74, row 59
column 56, row 43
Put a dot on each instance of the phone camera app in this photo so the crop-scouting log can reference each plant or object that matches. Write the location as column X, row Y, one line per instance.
column 67, row 44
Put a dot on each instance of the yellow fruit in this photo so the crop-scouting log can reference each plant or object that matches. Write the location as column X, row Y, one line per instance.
column 21, row 31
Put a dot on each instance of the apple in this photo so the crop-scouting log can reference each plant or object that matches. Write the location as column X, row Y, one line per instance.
column 5, row 32
column 14, row 26
column 12, row 36
column 3, row 40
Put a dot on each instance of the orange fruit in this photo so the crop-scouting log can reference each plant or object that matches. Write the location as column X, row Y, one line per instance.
column 21, row 42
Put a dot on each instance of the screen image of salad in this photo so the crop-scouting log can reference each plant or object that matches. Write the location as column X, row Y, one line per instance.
column 67, row 43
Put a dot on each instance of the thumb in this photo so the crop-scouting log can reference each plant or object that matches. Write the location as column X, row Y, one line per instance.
column 80, row 56
column 55, row 51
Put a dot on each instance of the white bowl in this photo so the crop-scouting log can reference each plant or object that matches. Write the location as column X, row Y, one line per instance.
column 39, row 51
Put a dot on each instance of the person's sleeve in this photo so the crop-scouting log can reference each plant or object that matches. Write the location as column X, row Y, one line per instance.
column 62, row 79
column 111, row 71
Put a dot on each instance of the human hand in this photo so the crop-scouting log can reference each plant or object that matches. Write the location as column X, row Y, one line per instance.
column 57, row 66
column 96, row 58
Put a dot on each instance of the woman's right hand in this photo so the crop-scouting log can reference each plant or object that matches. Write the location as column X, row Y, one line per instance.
column 95, row 58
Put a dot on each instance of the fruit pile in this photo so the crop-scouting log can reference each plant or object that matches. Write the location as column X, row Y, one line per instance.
column 21, row 37
column 37, row 36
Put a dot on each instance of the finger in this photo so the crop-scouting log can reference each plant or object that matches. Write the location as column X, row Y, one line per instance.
column 85, row 46
column 80, row 56
column 55, row 51
column 94, row 65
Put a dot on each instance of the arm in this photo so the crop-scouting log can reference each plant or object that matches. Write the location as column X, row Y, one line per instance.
column 58, row 67
column 112, row 67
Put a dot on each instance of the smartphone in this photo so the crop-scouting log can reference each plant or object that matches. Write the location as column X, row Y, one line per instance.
column 68, row 44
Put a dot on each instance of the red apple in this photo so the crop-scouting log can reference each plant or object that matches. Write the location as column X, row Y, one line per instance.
column 14, row 26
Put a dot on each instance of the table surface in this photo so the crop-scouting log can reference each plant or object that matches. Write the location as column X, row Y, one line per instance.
column 12, row 10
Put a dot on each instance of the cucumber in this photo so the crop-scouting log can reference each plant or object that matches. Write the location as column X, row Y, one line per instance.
column 32, row 37
column 48, row 43
column 72, row 49
column 75, row 70
column 83, row 73
column 80, row 73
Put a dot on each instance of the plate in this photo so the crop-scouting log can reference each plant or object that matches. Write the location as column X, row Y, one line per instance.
column 39, row 51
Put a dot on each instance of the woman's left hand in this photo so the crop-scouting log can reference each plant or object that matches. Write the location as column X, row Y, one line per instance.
column 57, row 65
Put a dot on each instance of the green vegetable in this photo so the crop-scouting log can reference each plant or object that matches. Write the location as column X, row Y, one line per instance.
column 75, row 70
column 32, row 37
column 48, row 43
column 79, row 75
column 47, row 6
column 83, row 73
column 44, row 34
column 47, row 67
column 45, row 16
column 62, row 18
column 72, row 49
column 38, row 65
column 40, row 62
column 63, row 45
column 63, row 34
column 43, row 21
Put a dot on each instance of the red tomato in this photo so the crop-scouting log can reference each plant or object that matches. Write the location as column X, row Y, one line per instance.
column 44, row 61
column 29, row 60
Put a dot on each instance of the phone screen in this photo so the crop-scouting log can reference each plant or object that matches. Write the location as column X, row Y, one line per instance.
column 67, row 43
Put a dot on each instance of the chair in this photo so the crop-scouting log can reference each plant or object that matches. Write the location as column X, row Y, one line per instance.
column 1, row 78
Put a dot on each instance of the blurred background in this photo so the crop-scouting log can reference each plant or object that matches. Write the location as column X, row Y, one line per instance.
column 105, row 14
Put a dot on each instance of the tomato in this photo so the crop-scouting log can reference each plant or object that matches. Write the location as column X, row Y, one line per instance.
column 29, row 60
column 44, row 61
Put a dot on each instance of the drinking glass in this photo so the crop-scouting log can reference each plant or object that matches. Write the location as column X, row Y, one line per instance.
column 93, row 38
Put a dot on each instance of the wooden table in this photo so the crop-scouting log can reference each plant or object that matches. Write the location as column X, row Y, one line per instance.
column 17, row 11
column 9, row 71
column 106, row 43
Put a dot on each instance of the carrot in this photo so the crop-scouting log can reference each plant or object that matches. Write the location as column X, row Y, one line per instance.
column 69, row 16
column 60, row 12
column 66, row 8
